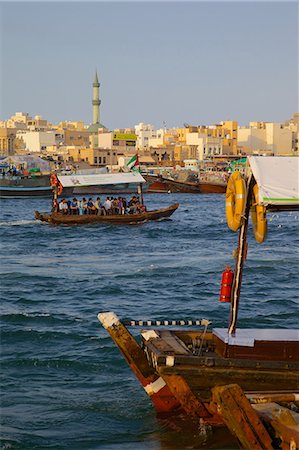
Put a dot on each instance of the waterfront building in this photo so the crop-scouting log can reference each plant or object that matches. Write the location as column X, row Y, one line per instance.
column 144, row 133
column 205, row 145
column 266, row 138
column 93, row 156
column 7, row 141
column 119, row 140
column 36, row 141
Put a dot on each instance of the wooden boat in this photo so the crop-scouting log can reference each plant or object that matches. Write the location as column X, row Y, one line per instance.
column 59, row 218
column 159, row 184
column 20, row 186
column 60, row 182
column 190, row 373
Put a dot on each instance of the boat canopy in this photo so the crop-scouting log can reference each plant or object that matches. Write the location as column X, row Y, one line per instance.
column 100, row 179
column 277, row 178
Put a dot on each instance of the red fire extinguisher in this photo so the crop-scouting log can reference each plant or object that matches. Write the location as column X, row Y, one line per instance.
column 226, row 284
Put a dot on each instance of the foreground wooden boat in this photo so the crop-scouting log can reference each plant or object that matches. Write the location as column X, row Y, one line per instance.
column 58, row 218
column 191, row 373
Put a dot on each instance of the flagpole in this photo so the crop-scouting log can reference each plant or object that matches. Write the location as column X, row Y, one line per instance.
column 141, row 191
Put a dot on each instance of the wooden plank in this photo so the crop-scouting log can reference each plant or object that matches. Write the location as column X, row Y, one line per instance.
column 183, row 393
column 284, row 421
column 178, row 347
column 240, row 417
column 151, row 381
column 205, row 378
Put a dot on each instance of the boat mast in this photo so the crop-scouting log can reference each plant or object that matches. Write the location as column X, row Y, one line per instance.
column 240, row 259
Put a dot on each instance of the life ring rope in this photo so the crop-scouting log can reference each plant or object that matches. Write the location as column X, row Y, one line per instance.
column 258, row 217
column 235, row 200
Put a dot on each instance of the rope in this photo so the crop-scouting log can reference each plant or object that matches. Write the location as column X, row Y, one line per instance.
column 151, row 323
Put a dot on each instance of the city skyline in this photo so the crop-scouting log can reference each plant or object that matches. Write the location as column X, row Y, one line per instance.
column 158, row 63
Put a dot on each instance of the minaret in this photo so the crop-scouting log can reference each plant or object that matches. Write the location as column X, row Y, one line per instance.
column 96, row 100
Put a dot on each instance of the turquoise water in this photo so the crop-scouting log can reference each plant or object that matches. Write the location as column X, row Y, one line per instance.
column 64, row 383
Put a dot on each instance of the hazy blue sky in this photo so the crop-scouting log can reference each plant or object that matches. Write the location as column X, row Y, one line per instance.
column 177, row 62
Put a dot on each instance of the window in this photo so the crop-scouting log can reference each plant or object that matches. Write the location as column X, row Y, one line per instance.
column 95, row 160
column 104, row 159
column 100, row 160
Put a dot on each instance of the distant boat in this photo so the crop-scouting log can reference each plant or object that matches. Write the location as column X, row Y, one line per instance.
column 20, row 186
column 206, row 185
column 128, row 219
column 59, row 182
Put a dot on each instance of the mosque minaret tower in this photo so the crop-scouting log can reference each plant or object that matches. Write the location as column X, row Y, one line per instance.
column 96, row 124
column 96, row 102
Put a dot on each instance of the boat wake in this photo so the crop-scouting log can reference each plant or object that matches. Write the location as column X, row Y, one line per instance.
column 16, row 222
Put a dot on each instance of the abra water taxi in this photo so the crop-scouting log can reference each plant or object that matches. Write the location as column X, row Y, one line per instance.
column 242, row 379
column 132, row 179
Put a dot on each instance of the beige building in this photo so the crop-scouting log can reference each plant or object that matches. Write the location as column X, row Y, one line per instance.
column 204, row 146
column 93, row 156
column 266, row 138
column 119, row 140
column 7, row 141
column 37, row 141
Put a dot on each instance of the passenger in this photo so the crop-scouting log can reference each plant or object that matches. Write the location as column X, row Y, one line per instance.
column 121, row 206
column 97, row 205
column 74, row 208
column 115, row 209
column 90, row 206
column 124, row 200
column 63, row 207
column 142, row 208
column 138, row 206
column 107, row 205
column 69, row 207
column 55, row 205
column 80, row 208
column 84, row 205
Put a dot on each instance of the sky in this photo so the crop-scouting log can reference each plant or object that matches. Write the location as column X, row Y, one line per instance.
column 167, row 63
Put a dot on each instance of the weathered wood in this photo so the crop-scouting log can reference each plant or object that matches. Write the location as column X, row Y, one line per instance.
column 240, row 417
column 189, row 401
column 203, row 379
column 284, row 422
column 177, row 346
column 278, row 397
column 151, row 381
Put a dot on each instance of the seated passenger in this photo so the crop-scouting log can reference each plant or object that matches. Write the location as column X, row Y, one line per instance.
column 107, row 206
column 115, row 209
column 84, row 205
column 74, row 208
column 90, row 206
column 63, row 206
column 97, row 205
column 121, row 208
column 142, row 208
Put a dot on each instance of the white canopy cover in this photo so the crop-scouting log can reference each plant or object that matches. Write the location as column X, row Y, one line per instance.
column 100, row 179
column 277, row 178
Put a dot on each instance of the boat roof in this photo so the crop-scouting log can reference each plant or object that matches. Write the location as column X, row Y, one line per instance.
column 277, row 178
column 247, row 336
column 100, row 179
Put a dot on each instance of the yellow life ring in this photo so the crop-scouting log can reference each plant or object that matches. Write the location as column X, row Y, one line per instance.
column 235, row 200
column 258, row 217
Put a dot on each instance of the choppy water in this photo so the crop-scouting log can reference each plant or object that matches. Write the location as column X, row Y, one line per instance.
column 64, row 384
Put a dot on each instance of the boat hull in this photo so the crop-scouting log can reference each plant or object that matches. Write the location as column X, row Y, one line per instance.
column 190, row 366
column 58, row 218
column 161, row 185
column 18, row 187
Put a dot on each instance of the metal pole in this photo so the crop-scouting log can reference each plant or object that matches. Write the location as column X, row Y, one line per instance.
column 240, row 259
